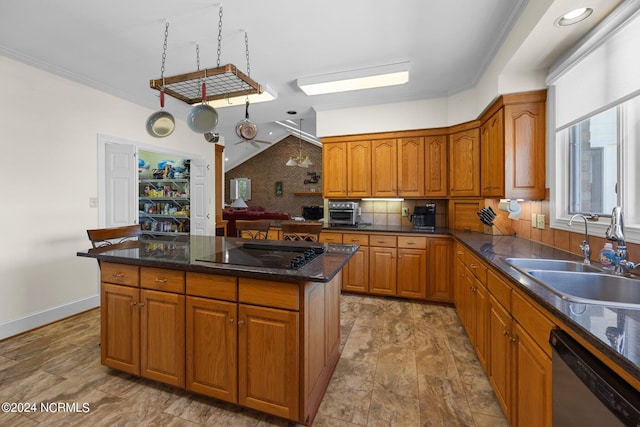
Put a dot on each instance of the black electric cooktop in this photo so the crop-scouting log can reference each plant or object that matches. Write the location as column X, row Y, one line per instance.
column 266, row 255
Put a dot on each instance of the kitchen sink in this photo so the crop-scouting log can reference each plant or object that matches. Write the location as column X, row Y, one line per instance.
column 591, row 288
column 526, row 264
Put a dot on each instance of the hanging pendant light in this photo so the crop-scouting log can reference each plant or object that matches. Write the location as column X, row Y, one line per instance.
column 300, row 160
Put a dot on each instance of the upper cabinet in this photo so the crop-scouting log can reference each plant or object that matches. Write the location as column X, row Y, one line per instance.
column 359, row 169
column 334, row 170
column 411, row 162
column 513, row 147
column 384, row 168
column 435, row 166
column 464, row 163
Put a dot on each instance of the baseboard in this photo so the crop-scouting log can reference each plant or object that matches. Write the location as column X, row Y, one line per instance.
column 35, row 320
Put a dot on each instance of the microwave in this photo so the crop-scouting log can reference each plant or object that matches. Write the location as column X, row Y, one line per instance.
column 343, row 213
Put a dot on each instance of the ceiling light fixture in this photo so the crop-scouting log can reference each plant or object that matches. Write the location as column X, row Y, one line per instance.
column 366, row 78
column 293, row 129
column 268, row 94
column 300, row 160
column 574, row 16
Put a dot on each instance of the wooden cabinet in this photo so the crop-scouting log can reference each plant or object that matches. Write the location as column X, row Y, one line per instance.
column 327, row 236
column 462, row 214
column 382, row 270
column 513, row 147
column 464, row 163
column 440, row 263
column 435, row 166
column 268, row 373
column 334, row 170
column 411, row 161
column 411, row 280
column 492, row 156
column 358, row 169
column 384, row 168
column 355, row 275
column 143, row 330
column 500, row 348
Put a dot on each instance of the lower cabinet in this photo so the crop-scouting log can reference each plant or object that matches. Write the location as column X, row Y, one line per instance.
column 355, row 275
column 382, row 264
column 440, row 262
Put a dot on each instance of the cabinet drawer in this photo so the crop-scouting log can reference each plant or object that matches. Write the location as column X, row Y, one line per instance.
column 162, row 279
column 382, row 241
column 478, row 268
column 268, row 293
column 212, row 286
column 412, row 242
column 122, row 274
column 355, row 239
column 329, row 237
column 499, row 289
column 532, row 320
column 460, row 251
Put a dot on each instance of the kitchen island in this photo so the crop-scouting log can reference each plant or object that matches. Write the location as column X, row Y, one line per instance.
column 228, row 318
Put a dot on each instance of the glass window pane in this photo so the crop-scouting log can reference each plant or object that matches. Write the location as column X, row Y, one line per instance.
column 593, row 165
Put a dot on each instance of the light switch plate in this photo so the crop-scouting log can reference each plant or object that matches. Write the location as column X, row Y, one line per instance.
column 534, row 220
column 541, row 222
column 93, row 202
column 405, row 211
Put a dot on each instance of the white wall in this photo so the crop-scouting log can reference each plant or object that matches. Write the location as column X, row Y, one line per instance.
column 48, row 148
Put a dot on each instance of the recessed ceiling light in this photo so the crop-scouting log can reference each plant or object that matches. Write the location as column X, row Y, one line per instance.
column 574, row 16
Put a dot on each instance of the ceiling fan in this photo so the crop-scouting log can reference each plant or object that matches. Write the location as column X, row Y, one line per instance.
column 247, row 130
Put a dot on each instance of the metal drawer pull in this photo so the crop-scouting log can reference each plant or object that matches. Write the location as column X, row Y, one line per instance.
column 411, row 243
column 240, row 322
column 158, row 280
column 118, row 274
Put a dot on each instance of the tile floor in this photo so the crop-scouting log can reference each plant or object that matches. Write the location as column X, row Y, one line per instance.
column 403, row 364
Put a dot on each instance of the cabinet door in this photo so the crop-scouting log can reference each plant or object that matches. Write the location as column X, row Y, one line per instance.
column 382, row 270
column 212, row 348
column 358, row 169
column 384, row 171
column 355, row 274
column 440, row 261
column 492, row 156
column 532, row 385
column 482, row 323
column 464, row 163
column 459, row 285
column 268, row 364
column 334, row 170
column 412, row 273
column 120, row 328
column 435, row 166
column 500, row 351
column 469, row 306
column 162, row 337
column 524, row 151
column 411, row 166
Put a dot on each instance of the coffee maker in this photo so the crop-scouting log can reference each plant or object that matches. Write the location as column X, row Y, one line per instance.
column 424, row 217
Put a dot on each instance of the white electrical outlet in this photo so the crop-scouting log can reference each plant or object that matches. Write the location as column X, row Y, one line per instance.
column 541, row 222
column 534, row 220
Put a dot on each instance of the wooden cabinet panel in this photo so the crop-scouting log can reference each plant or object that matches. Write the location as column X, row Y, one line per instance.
column 524, row 150
column 459, row 293
column 358, row 169
column 334, row 170
column 463, row 214
column 411, row 160
column 382, row 270
column 120, row 327
column 382, row 240
column 481, row 297
column 212, row 286
column 435, row 166
column 120, row 274
column 412, row 242
column 412, row 273
column 384, row 168
column 537, row 325
column 464, row 163
column 355, row 274
column 162, row 279
column 355, row 239
column 330, row 237
column 212, row 348
column 268, row 377
column 532, row 386
column 162, row 337
column 492, row 156
column 440, row 287
column 276, row 294
column 500, row 350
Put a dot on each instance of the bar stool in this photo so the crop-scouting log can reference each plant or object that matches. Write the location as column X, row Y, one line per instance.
column 103, row 238
column 301, row 231
column 253, row 229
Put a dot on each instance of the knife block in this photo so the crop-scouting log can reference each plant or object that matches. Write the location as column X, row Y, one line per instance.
column 501, row 227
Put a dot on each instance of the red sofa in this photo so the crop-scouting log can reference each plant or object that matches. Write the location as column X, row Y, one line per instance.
column 250, row 213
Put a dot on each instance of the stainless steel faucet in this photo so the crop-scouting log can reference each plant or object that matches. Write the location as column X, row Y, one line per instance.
column 584, row 246
column 615, row 232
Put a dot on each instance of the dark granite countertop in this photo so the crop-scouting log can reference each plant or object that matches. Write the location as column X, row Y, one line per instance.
column 387, row 229
column 590, row 321
column 186, row 253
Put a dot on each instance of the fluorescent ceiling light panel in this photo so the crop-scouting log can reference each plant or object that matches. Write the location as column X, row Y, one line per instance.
column 366, row 78
column 267, row 95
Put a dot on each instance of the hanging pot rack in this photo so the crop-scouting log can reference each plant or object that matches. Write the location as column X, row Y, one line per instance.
column 222, row 81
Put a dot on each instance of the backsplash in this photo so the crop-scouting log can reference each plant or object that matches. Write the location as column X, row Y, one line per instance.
column 381, row 212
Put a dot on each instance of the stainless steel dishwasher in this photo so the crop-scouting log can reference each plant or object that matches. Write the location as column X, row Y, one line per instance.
column 585, row 391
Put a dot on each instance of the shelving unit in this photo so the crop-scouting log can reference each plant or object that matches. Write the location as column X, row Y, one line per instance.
column 164, row 206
